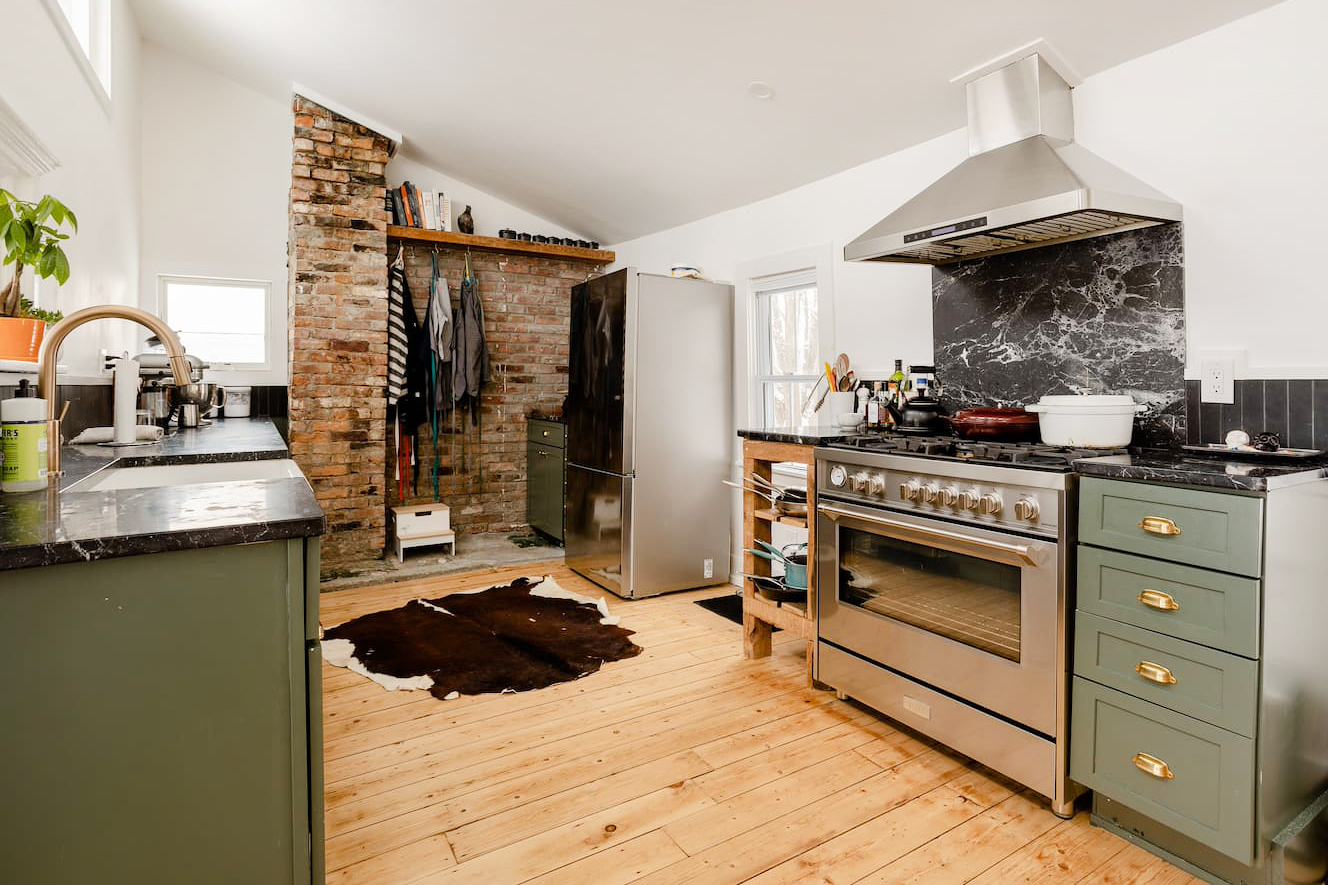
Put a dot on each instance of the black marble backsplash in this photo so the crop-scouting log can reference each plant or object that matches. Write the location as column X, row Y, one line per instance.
column 1296, row 409
column 1102, row 315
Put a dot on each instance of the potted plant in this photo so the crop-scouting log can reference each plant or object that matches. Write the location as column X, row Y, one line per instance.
column 31, row 237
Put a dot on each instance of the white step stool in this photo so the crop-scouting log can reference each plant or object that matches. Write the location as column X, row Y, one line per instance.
column 422, row 525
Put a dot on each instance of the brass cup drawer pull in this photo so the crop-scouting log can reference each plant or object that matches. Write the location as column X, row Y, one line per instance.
column 1163, row 602
column 1154, row 766
column 1159, row 525
column 1155, row 673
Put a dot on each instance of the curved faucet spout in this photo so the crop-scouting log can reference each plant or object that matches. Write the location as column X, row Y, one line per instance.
column 51, row 347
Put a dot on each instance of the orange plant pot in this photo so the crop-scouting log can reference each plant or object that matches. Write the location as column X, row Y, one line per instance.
column 20, row 339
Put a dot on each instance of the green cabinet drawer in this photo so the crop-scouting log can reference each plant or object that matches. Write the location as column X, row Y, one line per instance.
column 1213, row 686
column 544, row 489
column 1208, row 529
column 1207, row 607
column 1205, row 791
column 549, row 433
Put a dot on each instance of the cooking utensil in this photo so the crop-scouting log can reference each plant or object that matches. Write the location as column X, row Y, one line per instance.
column 830, row 377
column 811, row 394
column 1089, row 421
column 774, row 589
column 841, row 369
column 994, row 422
column 768, row 495
column 795, row 566
column 919, row 415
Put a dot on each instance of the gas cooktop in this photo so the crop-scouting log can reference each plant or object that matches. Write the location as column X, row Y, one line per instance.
column 1029, row 455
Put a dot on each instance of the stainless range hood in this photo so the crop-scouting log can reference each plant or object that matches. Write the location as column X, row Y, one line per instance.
column 1025, row 184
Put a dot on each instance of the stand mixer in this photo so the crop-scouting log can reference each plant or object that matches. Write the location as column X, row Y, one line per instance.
column 163, row 399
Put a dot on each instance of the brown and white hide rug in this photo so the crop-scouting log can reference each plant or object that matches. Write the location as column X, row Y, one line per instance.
column 528, row 634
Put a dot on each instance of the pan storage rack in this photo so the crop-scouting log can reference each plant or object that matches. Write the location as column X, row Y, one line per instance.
column 761, row 615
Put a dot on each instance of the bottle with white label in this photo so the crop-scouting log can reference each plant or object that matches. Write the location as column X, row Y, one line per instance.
column 23, row 441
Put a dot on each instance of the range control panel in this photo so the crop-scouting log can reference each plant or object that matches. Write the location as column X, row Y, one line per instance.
column 977, row 500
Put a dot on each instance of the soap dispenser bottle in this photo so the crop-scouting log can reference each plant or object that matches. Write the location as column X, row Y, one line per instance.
column 23, row 441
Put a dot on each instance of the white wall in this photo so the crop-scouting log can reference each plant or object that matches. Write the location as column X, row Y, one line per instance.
column 98, row 177
column 490, row 213
column 1234, row 125
column 216, row 186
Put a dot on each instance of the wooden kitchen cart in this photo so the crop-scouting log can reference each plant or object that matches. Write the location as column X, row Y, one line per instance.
column 760, row 615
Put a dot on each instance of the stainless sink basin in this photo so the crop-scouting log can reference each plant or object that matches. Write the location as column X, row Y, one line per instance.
column 160, row 475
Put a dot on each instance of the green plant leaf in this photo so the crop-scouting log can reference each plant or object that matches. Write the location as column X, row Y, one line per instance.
column 61, row 266
column 73, row 220
column 44, row 209
column 46, row 264
column 19, row 233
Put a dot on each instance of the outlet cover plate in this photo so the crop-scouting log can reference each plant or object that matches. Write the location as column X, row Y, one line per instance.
column 1217, row 380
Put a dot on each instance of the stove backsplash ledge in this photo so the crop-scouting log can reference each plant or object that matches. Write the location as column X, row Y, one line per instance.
column 1103, row 315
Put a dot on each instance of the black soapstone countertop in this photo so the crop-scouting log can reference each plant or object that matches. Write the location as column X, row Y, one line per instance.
column 48, row 527
column 810, row 435
column 1215, row 470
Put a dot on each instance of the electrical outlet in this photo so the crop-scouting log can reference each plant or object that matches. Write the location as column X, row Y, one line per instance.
column 1216, row 381
column 708, row 565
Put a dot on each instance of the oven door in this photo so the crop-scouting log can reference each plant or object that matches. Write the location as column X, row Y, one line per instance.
column 972, row 612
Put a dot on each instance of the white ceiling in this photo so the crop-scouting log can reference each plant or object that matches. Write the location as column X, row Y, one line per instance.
column 618, row 118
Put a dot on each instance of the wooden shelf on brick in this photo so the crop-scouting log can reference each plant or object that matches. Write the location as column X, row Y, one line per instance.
column 498, row 244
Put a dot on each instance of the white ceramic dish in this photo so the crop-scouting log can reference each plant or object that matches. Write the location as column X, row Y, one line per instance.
column 1092, row 422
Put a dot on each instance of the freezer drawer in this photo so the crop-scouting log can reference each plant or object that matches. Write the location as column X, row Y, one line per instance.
column 595, row 527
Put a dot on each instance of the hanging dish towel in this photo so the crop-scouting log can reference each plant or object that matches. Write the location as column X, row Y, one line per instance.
column 398, row 345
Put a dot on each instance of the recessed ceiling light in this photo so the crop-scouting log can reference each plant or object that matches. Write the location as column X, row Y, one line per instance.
column 760, row 90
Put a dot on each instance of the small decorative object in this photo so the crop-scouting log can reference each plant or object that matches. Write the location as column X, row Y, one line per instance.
column 683, row 270
column 465, row 223
column 1238, row 438
column 507, row 233
column 1267, row 441
column 523, row 237
column 540, row 238
column 31, row 236
column 594, row 245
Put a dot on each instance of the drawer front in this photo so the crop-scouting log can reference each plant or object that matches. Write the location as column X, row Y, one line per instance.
column 1207, row 607
column 1208, row 529
column 1213, row 686
column 549, row 433
column 1210, row 794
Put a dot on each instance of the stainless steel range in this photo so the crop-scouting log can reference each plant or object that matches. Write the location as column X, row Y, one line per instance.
column 942, row 594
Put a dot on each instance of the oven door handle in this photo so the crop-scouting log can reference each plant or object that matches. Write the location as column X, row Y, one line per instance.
column 957, row 542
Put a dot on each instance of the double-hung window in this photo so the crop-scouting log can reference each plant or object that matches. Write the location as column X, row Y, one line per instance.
column 787, row 346
column 86, row 26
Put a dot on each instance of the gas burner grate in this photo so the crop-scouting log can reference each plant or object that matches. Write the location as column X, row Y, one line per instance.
column 1023, row 454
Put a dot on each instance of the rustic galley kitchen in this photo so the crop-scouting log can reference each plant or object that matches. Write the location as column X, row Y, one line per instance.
column 859, row 443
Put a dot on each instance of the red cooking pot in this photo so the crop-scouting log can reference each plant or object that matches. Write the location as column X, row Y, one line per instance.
column 995, row 423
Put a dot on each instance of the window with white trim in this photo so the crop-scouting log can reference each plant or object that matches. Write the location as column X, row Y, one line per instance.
column 787, row 345
column 88, row 30
column 222, row 322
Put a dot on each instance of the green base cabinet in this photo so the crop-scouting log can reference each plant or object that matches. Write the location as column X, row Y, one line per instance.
column 162, row 719
column 546, row 476
column 1199, row 687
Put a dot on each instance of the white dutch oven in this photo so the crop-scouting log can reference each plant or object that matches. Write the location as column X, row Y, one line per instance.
column 1094, row 422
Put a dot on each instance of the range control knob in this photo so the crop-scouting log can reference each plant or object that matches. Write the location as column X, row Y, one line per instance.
column 968, row 499
column 876, row 484
column 1026, row 508
column 838, row 475
column 858, row 482
column 989, row 504
column 930, row 492
column 909, row 490
column 949, row 495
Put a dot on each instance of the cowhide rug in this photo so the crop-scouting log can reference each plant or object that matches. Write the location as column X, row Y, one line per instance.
column 528, row 634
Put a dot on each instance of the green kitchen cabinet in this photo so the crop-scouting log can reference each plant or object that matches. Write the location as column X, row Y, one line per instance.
column 546, row 476
column 1198, row 676
column 162, row 718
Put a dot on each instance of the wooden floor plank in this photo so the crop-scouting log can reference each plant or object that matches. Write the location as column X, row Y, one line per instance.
column 765, row 780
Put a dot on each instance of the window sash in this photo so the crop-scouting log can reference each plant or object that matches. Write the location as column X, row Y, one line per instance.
column 765, row 289
column 164, row 284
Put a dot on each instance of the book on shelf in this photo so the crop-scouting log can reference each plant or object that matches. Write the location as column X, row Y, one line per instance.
column 430, row 207
column 403, row 194
column 416, row 215
column 444, row 212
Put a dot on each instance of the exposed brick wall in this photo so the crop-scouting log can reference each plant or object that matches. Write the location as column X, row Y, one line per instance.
column 527, row 312
column 338, row 324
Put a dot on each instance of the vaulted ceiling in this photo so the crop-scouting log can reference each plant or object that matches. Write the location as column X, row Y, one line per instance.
column 618, row 119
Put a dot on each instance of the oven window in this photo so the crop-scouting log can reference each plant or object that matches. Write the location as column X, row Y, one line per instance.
column 960, row 597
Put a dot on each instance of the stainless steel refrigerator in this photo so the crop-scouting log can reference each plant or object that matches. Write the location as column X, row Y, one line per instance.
column 648, row 410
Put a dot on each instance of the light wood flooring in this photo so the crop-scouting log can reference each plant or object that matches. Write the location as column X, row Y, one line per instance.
column 686, row 764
